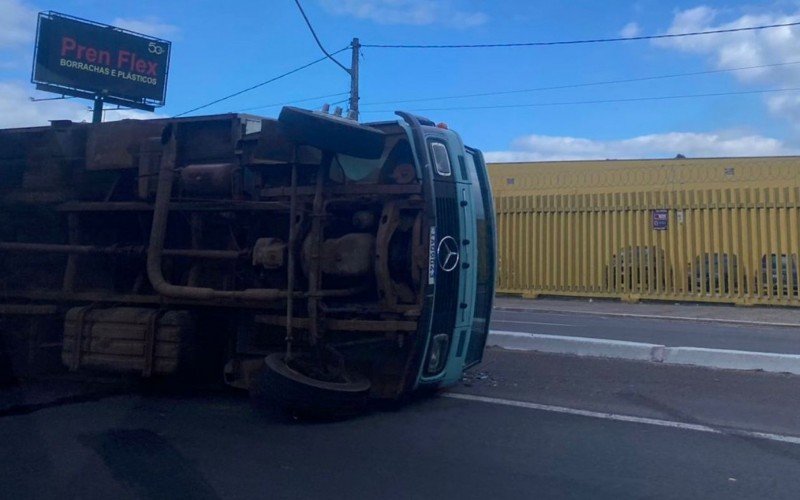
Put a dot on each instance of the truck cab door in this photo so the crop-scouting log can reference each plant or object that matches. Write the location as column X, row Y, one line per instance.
column 484, row 259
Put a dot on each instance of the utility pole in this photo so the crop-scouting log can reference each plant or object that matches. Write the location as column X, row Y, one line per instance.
column 356, row 46
column 97, row 112
column 352, row 70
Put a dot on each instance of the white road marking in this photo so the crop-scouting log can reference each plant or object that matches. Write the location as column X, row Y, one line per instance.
column 627, row 418
column 529, row 322
column 513, row 334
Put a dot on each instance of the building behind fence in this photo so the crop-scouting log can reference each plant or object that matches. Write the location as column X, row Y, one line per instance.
column 715, row 230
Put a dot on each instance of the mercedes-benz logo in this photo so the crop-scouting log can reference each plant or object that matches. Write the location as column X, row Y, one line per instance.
column 447, row 254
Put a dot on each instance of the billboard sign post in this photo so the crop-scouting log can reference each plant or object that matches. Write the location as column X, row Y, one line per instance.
column 96, row 61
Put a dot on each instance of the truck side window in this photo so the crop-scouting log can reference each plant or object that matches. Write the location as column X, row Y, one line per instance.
column 440, row 158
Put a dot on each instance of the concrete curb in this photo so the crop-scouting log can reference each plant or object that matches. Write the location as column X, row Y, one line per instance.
column 579, row 346
column 644, row 316
column 733, row 360
column 638, row 351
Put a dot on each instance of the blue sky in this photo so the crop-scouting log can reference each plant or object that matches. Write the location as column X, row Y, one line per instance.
column 221, row 47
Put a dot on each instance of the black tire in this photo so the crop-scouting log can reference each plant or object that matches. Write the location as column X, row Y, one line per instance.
column 6, row 371
column 280, row 385
column 331, row 133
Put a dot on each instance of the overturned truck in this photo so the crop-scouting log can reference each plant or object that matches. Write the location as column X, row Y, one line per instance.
column 311, row 258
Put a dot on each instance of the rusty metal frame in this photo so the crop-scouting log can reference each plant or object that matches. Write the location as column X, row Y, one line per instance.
column 28, row 309
column 150, row 340
column 184, row 206
column 294, row 228
column 118, row 250
column 389, row 222
column 349, row 190
column 350, row 325
column 158, row 232
column 108, row 297
column 390, row 219
column 196, row 231
column 75, row 362
column 73, row 237
column 315, row 235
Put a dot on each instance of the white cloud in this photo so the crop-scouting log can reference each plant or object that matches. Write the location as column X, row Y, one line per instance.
column 151, row 26
column 787, row 105
column 690, row 144
column 17, row 24
column 746, row 48
column 411, row 12
column 17, row 110
column 630, row 30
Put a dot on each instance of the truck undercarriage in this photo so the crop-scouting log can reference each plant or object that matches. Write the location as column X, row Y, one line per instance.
column 162, row 246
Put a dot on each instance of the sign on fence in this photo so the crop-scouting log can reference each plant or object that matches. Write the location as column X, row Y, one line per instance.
column 660, row 219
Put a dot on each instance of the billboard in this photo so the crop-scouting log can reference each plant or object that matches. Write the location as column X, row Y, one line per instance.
column 84, row 58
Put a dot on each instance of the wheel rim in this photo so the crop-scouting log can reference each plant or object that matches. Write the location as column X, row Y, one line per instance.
column 355, row 383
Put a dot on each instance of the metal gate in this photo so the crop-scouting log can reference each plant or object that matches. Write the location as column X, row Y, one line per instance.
column 716, row 230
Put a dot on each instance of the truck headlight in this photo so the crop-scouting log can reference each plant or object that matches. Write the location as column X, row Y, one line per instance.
column 437, row 354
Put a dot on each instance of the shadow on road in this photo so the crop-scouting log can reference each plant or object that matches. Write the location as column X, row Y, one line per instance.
column 148, row 464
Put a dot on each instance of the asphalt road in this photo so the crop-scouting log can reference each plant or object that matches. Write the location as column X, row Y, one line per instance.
column 215, row 445
column 672, row 333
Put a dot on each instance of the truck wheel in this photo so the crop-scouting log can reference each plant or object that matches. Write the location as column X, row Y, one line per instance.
column 284, row 386
column 6, row 372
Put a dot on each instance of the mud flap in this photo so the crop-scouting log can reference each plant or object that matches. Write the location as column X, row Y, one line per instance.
column 332, row 133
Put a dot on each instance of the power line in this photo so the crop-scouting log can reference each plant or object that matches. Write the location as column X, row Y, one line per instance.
column 579, row 85
column 598, row 101
column 577, row 42
column 296, row 101
column 253, row 87
column 352, row 70
column 316, row 38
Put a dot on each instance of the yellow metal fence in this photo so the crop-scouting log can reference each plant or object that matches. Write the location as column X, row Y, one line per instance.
column 721, row 230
